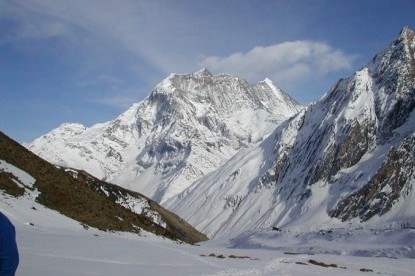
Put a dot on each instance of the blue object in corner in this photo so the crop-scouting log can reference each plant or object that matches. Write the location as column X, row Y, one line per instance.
column 9, row 255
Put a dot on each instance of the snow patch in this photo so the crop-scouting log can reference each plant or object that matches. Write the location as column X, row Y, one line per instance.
column 24, row 178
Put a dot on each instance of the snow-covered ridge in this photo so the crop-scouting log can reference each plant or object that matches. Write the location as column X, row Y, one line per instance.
column 188, row 126
column 348, row 156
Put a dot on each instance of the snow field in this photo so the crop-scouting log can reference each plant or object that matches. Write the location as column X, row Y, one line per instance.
column 51, row 244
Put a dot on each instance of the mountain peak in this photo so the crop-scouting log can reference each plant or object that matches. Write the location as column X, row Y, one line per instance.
column 280, row 94
column 406, row 31
column 406, row 39
column 169, row 84
column 203, row 72
column 268, row 81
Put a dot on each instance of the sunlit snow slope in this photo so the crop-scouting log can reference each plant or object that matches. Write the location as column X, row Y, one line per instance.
column 52, row 244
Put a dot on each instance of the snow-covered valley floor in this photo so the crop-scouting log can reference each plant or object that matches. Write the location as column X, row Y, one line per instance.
column 51, row 244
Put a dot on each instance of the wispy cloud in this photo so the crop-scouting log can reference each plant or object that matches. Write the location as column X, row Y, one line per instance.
column 285, row 62
column 146, row 40
column 20, row 23
column 117, row 47
column 34, row 30
column 142, row 29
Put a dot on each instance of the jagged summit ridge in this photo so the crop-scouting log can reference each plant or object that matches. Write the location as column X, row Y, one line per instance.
column 203, row 72
column 223, row 91
column 188, row 126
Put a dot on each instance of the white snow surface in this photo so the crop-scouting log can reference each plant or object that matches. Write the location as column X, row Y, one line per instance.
column 51, row 244
column 187, row 127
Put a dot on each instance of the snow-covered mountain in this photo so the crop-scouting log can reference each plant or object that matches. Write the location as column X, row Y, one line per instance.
column 186, row 128
column 348, row 157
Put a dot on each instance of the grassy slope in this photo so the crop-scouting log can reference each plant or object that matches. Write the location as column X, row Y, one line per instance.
column 75, row 199
column 180, row 228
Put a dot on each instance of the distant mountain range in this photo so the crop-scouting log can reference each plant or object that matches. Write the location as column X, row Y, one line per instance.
column 230, row 157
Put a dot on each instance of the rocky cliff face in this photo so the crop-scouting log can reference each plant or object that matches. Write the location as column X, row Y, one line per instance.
column 392, row 182
column 361, row 114
column 187, row 127
column 348, row 156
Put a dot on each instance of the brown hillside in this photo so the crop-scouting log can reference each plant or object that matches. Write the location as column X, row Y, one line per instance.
column 76, row 199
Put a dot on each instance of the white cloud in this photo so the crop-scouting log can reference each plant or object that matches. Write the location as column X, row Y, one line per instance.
column 285, row 62
column 79, row 20
column 143, row 29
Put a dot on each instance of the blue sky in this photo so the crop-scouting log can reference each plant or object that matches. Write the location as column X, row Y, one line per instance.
column 86, row 61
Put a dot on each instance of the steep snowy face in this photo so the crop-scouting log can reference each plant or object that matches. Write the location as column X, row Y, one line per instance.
column 350, row 155
column 393, row 73
column 188, row 126
column 347, row 135
column 359, row 116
